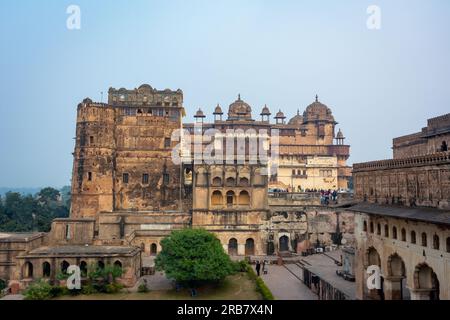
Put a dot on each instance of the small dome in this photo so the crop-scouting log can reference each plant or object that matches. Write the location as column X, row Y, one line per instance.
column 280, row 115
column 218, row 110
column 297, row 120
column 340, row 135
column 318, row 111
column 87, row 101
column 145, row 87
column 199, row 114
column 265, row 111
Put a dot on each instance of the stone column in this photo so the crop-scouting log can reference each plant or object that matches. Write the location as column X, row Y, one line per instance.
column 420, row 294
column 393, row 288
column 241, row 249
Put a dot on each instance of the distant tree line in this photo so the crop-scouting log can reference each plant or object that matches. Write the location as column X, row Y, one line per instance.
column 24, row 213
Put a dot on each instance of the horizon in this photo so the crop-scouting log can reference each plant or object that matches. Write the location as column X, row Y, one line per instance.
column 379, row 84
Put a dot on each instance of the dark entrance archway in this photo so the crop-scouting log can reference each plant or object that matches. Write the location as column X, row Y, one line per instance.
column 250, row 247
column 270, row 248
column 153, row 249
column 232, row 247
column 284, row 243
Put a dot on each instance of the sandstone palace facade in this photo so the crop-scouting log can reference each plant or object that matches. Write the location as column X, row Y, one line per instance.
column 402, row 219
column 128, row 193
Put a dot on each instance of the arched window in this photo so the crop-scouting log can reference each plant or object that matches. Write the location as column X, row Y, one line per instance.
column 244, row 198
column 46, row 269
column 394, row 232
column 379, row 229
column 386, row 230
column 413, row 237
column 230, row 198
column 118, row 264
column 83, row 268
column 28, row 270
column 216, row 198
column 371, row 227
column 101, row 264
column 230, row 182
column 153, row 249
column 403, row 234
column 64, row 266
column 365, row 226
column 232, row 247
column 436, row 242
column 217, row 182
column 249, row 247
column 424, row 239
column 243, row 182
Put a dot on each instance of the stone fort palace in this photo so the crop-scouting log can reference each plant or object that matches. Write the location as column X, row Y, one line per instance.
column 128, row 194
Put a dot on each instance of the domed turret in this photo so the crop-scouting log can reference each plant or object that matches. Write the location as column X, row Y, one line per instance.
column 279, row 117
column 265, row 114
column 199, row 115
column 218, row 113
column 239, row 110
column 317, row 111
column 340, row 137
column 296, row 120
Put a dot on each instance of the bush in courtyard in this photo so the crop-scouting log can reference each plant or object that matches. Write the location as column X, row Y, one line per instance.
column 2, row 284
column 194, row 257
column 113, row 287
column 142, row 288
column 39, row 290
column 88, row 289
column 264, row 290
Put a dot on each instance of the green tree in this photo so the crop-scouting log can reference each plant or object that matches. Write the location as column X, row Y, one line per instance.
column 194, row 257
column 48, row 195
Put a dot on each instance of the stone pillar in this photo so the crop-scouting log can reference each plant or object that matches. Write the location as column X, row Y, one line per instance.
column 420, row 294
column 393, row 288
column 241, row 249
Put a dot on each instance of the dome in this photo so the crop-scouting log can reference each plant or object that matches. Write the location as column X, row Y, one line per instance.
column 318, row 111
column 87, row 101
column 145, row 87
column 280, row 115
column 199, row 114
column 218, row 110
column 265, row 111
column 239, row 110
column 340, row 135
column 297, row 120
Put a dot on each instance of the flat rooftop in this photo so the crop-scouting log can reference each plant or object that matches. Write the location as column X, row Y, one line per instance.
column 19, row 236
column 76, row 250
column 431, row 215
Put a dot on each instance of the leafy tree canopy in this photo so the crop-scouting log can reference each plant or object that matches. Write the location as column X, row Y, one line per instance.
column 194, row 256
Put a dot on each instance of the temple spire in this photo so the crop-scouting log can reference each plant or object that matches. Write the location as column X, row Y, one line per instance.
column 317, row 98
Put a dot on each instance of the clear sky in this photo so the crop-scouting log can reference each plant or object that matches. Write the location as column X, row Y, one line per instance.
column 379, row 83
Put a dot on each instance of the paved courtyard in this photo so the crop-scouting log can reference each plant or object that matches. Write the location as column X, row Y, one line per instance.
column 285, row 286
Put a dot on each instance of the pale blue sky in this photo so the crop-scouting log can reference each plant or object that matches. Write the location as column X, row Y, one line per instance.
column 379, row 84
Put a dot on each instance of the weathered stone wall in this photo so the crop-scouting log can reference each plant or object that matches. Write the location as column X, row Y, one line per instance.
column 428, row 141
column 421, row 181
column 413, row 254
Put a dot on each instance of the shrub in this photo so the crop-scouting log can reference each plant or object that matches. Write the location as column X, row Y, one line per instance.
column 2, row 284
column 58, row 291
column 113, row 287
column 264, row 290
column 39, row 290
column 261, row 287
column 193, row 257
column 88, row 289
column 142, row 288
